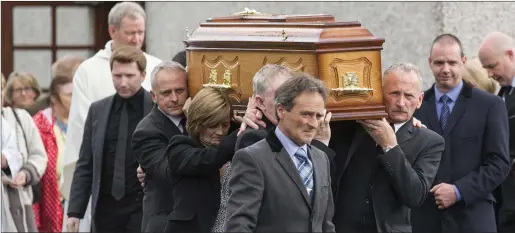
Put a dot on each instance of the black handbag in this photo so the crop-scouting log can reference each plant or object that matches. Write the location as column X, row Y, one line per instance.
column 36, row 188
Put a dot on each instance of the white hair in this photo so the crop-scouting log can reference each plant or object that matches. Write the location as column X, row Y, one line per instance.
column 124, row 9
column 407, row 68
column 168, row 65
column 262, row 78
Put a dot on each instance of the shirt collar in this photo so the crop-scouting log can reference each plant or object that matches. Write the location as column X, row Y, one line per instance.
column 453, row 93
column 175, row 119
column 135, row 101
column 513, row 82
column 397, row 126
column 290, row 146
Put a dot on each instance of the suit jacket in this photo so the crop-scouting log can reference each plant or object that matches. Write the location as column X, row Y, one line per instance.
column 267, row 194
column 88, row 170
column 505, row 194
column 475, row 160
column 195, row 177
column 404, row 177
column 149, row 143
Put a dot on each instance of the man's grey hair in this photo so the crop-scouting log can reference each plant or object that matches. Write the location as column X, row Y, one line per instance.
column 124, row 9
column 405, row 67
column 295, row 86
column 265, row 75
column 168, row 65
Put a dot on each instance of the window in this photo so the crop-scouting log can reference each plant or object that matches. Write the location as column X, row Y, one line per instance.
column 36, row 34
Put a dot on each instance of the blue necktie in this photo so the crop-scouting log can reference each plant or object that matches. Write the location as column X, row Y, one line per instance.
column 305, row 169
column 446, row 111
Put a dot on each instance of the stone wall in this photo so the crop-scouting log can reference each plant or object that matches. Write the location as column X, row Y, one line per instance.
column 408, row 27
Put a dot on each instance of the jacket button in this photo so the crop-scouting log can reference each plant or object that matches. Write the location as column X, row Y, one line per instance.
column 367, row 201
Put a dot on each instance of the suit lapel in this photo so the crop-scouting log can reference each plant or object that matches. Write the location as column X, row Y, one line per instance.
column 169, row 128
column 284, row 159
column 356, row 140
column 404, row 133
column 429, row 109
column 459, row 107
column 510, row 103
column 102, row 126
column 317, row 177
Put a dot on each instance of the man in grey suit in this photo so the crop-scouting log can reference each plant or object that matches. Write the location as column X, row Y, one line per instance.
column 282, row 183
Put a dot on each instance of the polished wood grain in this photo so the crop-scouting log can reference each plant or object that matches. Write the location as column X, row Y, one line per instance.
column 226, row 52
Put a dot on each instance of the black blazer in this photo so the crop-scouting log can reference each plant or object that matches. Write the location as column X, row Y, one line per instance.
column 88, row 170
column 505, row 194
column 195, row 177
column 404, row 177
column 149, row 143
column 475, row 160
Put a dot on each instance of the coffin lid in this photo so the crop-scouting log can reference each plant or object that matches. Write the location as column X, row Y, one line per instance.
column 254, row 31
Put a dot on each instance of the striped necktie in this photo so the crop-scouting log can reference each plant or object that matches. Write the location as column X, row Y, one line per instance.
column 446, row 111
column 305, row 169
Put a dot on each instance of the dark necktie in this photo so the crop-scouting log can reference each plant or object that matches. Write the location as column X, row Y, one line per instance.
column 118, row 190
column 182, row 123
column 505, row 91
column 446, row 111
column 393, row 127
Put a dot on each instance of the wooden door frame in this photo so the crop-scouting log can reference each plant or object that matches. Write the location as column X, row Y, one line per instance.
column 101, row 34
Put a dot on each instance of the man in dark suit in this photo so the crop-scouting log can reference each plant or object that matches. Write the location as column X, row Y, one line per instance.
column 475, row 161
column 497, row 55
column 106, row 166
column 151, row 137
column 384, row 167
column 362, row 189
column 298, row 196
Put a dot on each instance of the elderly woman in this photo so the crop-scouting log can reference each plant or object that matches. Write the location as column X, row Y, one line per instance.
column 52, row 124
column 195, row 160
column 22, row 90
column 477, row 76
column 34, row 161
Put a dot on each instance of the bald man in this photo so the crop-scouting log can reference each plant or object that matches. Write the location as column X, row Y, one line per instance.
column 497, row 55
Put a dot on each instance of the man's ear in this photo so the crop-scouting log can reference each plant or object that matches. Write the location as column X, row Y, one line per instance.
column 279, row 109
column 154, row 97
column 420, row 99
column 259, row 102
column 111, row 31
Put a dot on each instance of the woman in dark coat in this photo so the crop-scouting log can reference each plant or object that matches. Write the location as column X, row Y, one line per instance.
column 195, row 162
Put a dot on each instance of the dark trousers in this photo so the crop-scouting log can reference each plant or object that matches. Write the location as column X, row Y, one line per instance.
column 125, row 215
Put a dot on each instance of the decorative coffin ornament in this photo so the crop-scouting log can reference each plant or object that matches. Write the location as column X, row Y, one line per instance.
column 226, row 52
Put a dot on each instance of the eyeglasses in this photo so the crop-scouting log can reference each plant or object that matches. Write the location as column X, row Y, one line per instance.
column 23, row 89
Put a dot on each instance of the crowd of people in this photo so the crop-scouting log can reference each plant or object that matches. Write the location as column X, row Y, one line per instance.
column 118, row 145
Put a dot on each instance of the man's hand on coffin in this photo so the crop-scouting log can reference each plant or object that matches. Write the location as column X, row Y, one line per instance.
column 324, row 130
column 418, row 124
column 252, row 117
column 381, row 132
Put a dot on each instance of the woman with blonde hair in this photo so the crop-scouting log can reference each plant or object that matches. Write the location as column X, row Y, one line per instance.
column 21, row 90
column 194, row 162
column 21, row 189
column 477, row 76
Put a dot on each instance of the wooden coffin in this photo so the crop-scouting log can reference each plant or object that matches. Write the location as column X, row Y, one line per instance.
column 226, row 52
